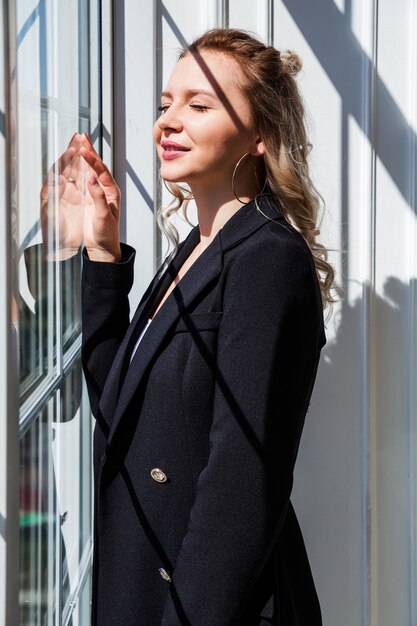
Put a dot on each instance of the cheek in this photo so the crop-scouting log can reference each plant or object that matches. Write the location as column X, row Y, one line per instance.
column 214, row 136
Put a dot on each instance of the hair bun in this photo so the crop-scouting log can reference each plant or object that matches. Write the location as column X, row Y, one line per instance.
column 291, row 62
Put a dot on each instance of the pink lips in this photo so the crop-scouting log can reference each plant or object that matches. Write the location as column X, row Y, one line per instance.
column 172, row 150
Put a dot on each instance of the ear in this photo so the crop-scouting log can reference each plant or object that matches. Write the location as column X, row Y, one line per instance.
column 259, row 148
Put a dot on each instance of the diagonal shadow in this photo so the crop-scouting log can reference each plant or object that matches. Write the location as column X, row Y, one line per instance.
column 278, row 475
column 331, row 479
column 173, row 26
column 327, row 31
column 203, row 65
column 28, row 23
column 106, row 135
column 125, row 167
column 138, row 184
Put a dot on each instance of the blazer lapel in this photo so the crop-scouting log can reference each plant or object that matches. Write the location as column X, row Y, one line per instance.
column 203, row 271
column 149, row 301
column 121, row 388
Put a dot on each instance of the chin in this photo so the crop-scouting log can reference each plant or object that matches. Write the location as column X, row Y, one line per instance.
column 171, row 177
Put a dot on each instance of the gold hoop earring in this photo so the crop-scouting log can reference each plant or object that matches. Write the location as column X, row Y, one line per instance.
column 257, row 182
column 189, row 195
column 233, row 177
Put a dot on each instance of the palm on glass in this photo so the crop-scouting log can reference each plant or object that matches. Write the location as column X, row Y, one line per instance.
column 102, row 212
column 80, row 201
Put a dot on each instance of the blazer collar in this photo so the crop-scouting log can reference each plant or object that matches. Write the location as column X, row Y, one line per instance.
column 248, row 219
column 125, row 378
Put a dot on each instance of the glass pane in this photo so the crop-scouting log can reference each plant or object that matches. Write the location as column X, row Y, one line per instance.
column 38, row 523
column 72, row 451
column 82, row 608
column 55, row 502
column 58, row 94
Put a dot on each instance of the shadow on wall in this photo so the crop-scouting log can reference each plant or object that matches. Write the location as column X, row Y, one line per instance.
column 326, row 29
column 330, row 492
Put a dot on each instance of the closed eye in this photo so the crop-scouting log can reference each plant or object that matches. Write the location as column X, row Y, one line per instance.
column 199, row 107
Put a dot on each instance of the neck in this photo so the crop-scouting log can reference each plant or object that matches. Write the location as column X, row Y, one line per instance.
column 214, row 209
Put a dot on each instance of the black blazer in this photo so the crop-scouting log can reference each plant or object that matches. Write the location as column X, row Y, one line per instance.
column 196, row 439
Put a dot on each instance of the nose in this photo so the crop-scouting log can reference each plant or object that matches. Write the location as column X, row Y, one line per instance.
column 170, row 120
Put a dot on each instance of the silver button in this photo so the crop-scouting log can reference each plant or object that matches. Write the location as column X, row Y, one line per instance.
column 159, row 475
column 165, row 575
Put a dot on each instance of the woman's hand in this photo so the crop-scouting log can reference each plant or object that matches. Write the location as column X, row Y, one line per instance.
column 102, row 215
column 62, row 199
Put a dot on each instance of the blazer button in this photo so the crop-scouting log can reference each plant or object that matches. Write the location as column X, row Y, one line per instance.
column 165, row 575
column 159, row 475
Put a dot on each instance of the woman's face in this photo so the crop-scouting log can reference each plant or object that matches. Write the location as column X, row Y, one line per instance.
column 205, row 125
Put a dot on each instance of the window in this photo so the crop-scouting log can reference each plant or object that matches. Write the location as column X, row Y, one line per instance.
column 58, row 93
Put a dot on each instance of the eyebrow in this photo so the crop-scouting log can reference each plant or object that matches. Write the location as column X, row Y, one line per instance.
column 192, row 92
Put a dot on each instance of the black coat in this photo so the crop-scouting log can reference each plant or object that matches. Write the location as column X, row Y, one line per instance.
column 215, row 398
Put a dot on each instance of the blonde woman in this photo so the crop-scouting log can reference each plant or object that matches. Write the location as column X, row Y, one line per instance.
column 200, row 398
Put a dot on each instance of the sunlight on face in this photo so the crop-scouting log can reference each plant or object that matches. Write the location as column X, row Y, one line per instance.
column 205, row 124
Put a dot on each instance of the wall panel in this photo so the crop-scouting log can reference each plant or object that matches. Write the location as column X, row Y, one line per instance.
column 393, row 558
column 133, row 115
column 355, row 480
column 330, row 491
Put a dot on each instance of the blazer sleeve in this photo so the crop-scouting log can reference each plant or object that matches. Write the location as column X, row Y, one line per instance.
column 105, row 317
column 267, row 353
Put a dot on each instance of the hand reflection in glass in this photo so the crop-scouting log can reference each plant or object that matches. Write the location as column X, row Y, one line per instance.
column 64, row 198
column 80, row 201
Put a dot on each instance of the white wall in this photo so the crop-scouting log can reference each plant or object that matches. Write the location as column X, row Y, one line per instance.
column 355, row 489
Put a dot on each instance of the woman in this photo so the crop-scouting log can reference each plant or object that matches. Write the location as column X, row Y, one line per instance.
column 200, row 400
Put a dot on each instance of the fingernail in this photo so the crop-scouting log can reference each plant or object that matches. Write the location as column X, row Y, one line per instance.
column 93, row 180
column 88, row 138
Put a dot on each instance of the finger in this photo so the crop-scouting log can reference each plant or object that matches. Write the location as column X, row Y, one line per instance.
column 84, row 135
column 51, row 182
column 100, row 170
column 99, row 197
column 72, row 171
column 86, row 141
column 74, row 140
column 93, row 159
column 65, row 159
column 59, row 166
column 48, row 184
column 52, row 178
column 62, row 184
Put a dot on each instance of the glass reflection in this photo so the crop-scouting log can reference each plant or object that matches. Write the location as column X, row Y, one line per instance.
column 38, row 524
column 55, row 497
column 62, row 198
column 58, row 80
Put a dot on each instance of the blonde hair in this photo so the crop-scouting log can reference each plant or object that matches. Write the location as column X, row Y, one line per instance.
column 277, row 112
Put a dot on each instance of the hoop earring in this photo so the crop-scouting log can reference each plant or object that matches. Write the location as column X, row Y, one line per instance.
column 257, row 181
column 233, row 177
column 256, row 177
